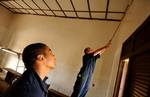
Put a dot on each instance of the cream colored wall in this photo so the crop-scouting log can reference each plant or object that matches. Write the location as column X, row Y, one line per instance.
column 67, row 38
column 5, row 21
column 136, row 15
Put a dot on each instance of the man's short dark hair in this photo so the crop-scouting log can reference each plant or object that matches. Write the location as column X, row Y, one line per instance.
column 86, row 50
column 31, row 52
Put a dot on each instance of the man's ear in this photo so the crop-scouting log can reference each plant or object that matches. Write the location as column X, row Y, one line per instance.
column 40, row 57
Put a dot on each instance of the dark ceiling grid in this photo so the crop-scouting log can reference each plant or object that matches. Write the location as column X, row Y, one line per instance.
column 74, row 8
column 29, row 7
column 49, row 7
column 89, row 9
column 14, row 6
column 22, row 7
column 42, row 11
column 7, row 7
column 107, row 9
column 60, row 8
column 39, row 7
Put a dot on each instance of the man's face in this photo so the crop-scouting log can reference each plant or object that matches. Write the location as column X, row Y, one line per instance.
column 50, row 60
column 89, row 50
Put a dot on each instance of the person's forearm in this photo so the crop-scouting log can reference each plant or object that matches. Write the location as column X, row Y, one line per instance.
column 100, row 50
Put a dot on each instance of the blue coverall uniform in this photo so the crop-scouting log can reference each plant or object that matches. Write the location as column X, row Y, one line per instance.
column 84, row 76
column 28, row 85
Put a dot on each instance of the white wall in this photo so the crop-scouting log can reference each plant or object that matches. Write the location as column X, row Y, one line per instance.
column 136, row 15
column 67, row 38
column 5, row 21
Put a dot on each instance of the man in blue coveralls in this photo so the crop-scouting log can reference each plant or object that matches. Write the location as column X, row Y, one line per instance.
column 38, row 59
column 84, row 76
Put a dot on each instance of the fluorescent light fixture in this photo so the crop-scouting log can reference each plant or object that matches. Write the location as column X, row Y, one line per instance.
column 10, row 51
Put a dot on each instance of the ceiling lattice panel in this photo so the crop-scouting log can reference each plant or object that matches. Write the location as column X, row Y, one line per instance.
column 82, row 9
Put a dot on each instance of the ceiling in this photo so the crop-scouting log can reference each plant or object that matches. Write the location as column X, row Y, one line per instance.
column 112, row 10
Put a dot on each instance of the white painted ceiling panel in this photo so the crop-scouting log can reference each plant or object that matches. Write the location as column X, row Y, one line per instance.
column 17, row 10
column 24, row 11
column 65, row 4
column 31, row 11
column 22, row 4
column 39, row 12
column 53, row 5
column 48, row 12
column 14, row 4
column 81, row 14
column 31, row 4
column 71, row 14
column 80, row 5
column 59, row 13
column 98, row 5
column 114, row 16
column 41, row 4
column 9, row 4
column 118, row 5
column 98, row 15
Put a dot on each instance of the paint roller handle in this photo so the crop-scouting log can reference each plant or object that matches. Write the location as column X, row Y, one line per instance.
column 108, row 44
column 109, row 41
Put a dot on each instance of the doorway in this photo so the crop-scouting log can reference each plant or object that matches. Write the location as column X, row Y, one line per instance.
column 133, row 78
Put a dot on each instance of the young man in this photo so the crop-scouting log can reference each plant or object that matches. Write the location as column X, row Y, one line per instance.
column 38, row 60
column 84, row 76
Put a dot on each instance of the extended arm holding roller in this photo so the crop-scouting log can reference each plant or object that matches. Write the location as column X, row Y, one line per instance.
column 102, row 49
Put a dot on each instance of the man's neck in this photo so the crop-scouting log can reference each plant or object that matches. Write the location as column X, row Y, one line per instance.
column 41, row 72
